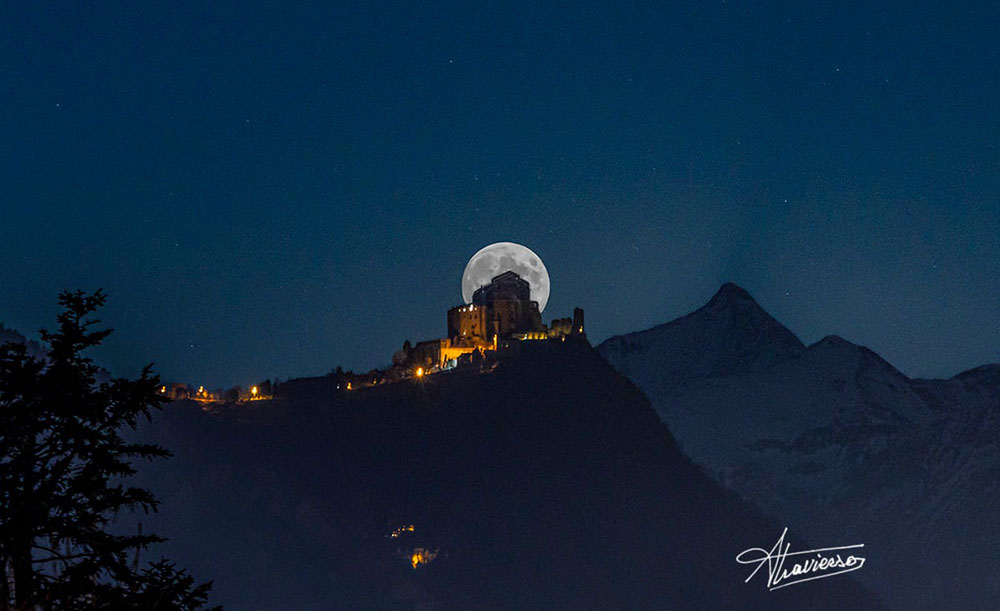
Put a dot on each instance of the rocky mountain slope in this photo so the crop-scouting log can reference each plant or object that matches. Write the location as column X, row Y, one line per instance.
column 835, row 443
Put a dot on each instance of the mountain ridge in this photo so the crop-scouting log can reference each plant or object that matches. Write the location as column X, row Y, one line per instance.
column 729, row 333
column 833, row 426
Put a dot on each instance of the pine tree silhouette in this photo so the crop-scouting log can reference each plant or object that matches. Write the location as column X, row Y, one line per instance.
column 64, row 468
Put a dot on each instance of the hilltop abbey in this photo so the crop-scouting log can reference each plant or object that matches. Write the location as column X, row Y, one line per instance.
column 499, row 323
column 501, row 315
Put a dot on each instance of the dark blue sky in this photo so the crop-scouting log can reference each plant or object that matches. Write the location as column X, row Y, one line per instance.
column 272, row 191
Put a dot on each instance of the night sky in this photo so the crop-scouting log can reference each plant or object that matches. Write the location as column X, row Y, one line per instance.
column 272, row 191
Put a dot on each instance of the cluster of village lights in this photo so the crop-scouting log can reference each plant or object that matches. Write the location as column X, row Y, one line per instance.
column 203, row 394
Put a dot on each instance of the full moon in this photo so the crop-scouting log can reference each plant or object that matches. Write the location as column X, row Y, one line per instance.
column 500, row 257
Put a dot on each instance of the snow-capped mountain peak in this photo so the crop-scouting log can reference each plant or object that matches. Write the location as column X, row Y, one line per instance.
column 731, row 333
column 834, row 441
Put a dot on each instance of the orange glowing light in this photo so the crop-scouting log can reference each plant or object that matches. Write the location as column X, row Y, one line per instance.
column 421, row 556
column 420, row 372
column 253, row 391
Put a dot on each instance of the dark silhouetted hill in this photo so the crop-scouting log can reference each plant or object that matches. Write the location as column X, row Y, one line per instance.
column 548, row 483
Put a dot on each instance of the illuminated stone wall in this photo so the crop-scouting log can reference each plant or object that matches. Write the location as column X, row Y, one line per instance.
column 467, row 322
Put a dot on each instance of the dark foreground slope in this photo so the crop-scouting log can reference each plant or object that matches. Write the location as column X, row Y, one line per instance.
column 548, row 483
